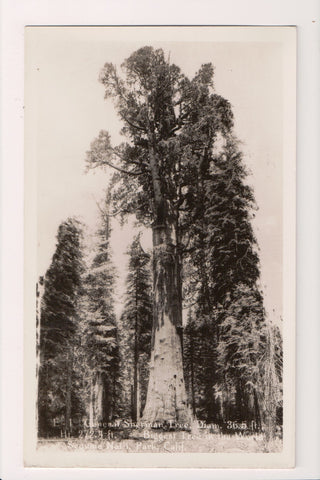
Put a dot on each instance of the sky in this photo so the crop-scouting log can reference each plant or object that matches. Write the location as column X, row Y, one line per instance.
column 65, row 110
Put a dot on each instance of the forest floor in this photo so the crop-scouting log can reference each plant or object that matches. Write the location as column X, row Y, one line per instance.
column 150, row 441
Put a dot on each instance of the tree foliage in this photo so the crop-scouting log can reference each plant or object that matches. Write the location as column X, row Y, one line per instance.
column 163, row 111
column 136, row 325
column 100, row 331
column 59, row 320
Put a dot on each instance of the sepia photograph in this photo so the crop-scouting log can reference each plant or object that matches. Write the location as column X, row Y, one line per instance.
column 160, row 246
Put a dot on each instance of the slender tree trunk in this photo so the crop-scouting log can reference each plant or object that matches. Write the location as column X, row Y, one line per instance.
column 113, row 400
column 132, row 402
column 97, row 400
column 99, row 397
column 239, row 401
column 135, row 366
column 257, row 409
column 270, row 389
column 68, row 393
column 91, row 405
column 226, row 400
column 166, row 396
column 192, row 373
column 138, row 404
column 251, row 408
column 135, row 394
column 221, row 416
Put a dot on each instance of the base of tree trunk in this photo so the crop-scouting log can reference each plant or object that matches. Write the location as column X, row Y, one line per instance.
column 167, row 398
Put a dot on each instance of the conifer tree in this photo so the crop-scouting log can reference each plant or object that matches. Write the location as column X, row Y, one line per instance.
column 241, row 351
column 137, row 321
column 100, row 329
column 59, row 319
column 222, row 256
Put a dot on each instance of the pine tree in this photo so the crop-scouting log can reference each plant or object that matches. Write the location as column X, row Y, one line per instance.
column 232, row 246
column 59, row 318
column 223, row 265
column 271, row 381
column 100, row 330
column 241, row 350
column 137, row 321
column 200, row 357
column 221, row 253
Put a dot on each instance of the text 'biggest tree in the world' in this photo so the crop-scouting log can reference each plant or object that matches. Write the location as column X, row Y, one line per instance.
column 180, row 173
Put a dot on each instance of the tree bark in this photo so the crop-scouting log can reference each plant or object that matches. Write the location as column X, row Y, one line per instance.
column 192, row 373
column 98, row 405
column 68, row 394
column 91, row 405
column 257, row 410
column 166, row 397
column 135, row 366
column 270, row 422
column 99, row 390
column 113, row 400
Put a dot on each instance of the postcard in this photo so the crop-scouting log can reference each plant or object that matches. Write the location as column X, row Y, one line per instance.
column 160, row 246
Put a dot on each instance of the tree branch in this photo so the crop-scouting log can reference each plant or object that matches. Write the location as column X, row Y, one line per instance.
column 133, row 162
column 107, row 214
column 175, row 129
column 132, row 124
column 121, row 170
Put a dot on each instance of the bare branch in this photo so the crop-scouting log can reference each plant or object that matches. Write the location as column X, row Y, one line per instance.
column 100, row 209
column 107, row 214
column 121, row 170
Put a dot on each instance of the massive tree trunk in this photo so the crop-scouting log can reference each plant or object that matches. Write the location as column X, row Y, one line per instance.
column 166, row 397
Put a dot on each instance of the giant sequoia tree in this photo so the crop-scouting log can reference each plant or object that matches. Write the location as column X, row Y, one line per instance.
column 172, row 125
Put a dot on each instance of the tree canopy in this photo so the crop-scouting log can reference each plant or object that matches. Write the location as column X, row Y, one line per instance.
column 171, row 124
